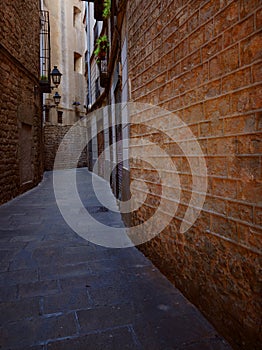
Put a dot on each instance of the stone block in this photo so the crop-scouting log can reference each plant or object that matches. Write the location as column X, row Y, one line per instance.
column 36, row 330
column 114, row 339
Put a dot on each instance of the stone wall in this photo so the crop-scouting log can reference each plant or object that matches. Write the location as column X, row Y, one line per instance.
column 202, row 61
column 53, row 136
column 20, row 116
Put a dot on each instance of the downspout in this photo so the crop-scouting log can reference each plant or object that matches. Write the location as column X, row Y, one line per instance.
column 43, row 117
column 88, row 55
column 42, row 97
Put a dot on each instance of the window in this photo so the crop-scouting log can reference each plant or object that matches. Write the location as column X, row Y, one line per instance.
column 77, row 62
column 95, row 33
column 45, row 50
column 59, row 117
column 47, row 115
column 97, row 90
column 76, row 17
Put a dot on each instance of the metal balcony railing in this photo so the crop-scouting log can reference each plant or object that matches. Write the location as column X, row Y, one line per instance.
column 45, row 64
column 97, row 89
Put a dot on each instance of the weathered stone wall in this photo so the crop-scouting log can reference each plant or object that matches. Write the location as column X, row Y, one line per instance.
column 20, row 117
column 53, row 136
column 202, row 61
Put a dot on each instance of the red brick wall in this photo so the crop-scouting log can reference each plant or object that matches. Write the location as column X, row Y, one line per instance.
column 20, row 115
column 202, row 61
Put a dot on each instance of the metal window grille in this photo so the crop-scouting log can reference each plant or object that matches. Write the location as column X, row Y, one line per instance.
column 45, row 64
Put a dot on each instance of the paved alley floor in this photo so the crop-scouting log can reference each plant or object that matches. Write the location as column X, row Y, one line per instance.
column 60, row 292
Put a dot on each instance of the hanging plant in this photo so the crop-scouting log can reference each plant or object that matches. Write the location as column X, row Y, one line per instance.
column 107, row 8
column 44, row 78
column 102, row 45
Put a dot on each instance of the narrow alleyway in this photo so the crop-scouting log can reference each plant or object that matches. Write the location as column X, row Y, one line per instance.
column 59, row 291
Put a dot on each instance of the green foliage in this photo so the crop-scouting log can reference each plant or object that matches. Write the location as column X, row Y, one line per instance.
column 44, row 77
column 107, row 8
column 102, row 44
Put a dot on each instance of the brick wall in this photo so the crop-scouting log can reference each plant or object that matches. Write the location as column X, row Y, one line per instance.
column 20, row 116
column 202, row 61
column 53, row 136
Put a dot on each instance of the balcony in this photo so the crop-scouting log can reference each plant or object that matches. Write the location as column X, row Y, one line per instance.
column 45, row 64
column 103, row 67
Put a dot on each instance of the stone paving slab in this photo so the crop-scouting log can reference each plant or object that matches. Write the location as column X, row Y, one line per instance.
column 61, row 292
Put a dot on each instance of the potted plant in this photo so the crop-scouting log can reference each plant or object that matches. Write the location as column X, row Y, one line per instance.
column 107, row 9
column 102, row 45
column 45, row 83
column 44, row 78
column 102, row 9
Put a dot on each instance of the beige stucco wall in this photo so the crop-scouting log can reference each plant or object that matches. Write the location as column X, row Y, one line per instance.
column 66, row 39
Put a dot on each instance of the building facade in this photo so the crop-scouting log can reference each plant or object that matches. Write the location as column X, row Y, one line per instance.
column 68, row 48
column 68, row 53
column 200, row 61
column 20, row 102
column 108, row 87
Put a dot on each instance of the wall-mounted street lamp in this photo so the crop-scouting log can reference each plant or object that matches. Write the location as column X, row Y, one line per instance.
column 45, row 81
column 56, row 79
column 56, row 76
column 56, row 98
column 76, row 104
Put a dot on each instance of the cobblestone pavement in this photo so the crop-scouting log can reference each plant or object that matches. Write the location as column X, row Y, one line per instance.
column 58, row 291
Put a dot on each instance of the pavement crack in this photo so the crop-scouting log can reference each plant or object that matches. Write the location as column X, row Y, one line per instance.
column 78, row 327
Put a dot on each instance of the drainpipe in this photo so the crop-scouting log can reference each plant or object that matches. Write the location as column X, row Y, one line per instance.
column 88, row 55
column 42, row 99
